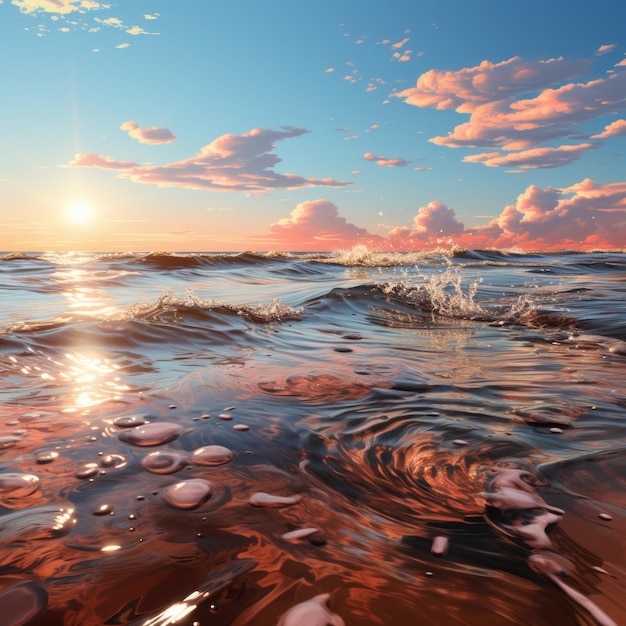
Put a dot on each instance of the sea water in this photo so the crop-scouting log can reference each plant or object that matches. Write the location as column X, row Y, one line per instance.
column 343, row 438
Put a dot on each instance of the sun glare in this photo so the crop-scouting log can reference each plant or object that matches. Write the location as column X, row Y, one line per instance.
column 80, row 212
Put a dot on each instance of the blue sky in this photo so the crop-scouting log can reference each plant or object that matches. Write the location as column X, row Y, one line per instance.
column 401, row 124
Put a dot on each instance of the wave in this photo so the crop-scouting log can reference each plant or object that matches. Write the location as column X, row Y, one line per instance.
column 177, row 260
column 168, row 309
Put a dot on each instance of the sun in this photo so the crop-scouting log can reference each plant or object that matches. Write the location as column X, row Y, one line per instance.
column 80, row 212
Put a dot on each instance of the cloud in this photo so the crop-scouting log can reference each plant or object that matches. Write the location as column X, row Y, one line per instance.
column 115, row 22
column 385, row 161
column 501, row 117
column 534, row 158
column 152, row 135
column 466, row 89
column 436, row 219
column 606, row 48
column 136, row 30
column 229, row 163
column 615, row 129
column 55, row 6
column 594, row 216
column 317, row 225
column 586, row 215
column 399, row 44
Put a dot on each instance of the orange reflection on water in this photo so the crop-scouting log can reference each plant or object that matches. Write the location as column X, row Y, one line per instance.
column 94, row 378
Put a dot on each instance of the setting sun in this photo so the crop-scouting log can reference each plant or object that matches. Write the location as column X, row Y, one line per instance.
column 80, row 212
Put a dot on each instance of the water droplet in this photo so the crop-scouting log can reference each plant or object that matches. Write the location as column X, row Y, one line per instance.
column 205, row 416
column 212, row 455
column 265, row 499
column 103, row 509
column 188, row 494
column 440, row 545
column 294, row 535
column 172, row 406
column 313, row 611
column 556, row 430
column 164, row 462
column 154, row 434
column 47, row 457
column 343, row 349
column 8, row 441
column 129, row 421
column 241, row 427
column 460, row 442
column 225, row 416
column 113, row 460
column 87, row 471
column 605, row 516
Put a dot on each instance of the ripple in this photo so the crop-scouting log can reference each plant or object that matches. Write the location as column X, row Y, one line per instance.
column 14, row 487
column 21, row 603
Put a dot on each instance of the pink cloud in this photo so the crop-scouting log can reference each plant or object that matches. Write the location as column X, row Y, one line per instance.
column 152, row 135
column 614, row 129
column 385, row 161
column 501, row 117
column 594, row 216
column 606, row 48
column 465, row 89
column 229, row 163
column 534, row 158
column 436, row 219
column 316, row 225
column 586, row 215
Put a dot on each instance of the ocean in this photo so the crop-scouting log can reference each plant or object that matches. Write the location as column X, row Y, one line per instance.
column 306, row 439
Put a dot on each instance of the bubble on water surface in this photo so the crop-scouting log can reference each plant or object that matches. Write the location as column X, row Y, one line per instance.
column 47, row 457
column 313, row 612
column 87, row 470
column 212, row 455
column 113, row 460
column 265, row 499
column 164, row 462
column 154, row 434
column 103, row 509
column 129, row 421
column 295, row 535
column 21, row 603
column 188, row 494
column 8, row 441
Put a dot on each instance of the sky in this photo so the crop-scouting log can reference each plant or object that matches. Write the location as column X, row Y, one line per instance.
column 293, row 125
